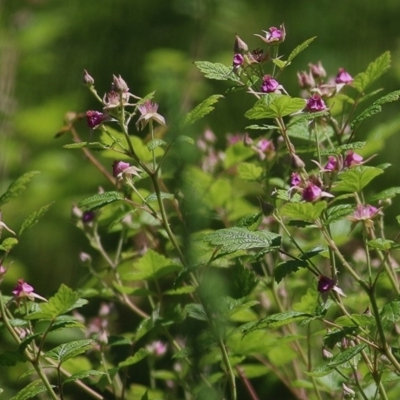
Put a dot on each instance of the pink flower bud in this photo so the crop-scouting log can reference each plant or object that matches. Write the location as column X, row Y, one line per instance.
column 317, row 70
column 332, row 164
column 238, row 60
column 311, row 192
column 119, row 85
column 352, row 159
column 343, row 77
column 95, row 118
column 269, row 84
column 315, row 103
column 87, row 79
column 240, row 46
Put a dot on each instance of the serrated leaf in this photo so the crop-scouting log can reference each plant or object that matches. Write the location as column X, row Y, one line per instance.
column 11, row 358
column 138, row 356
column 216, row 71
column 276, row 321
column 381, row 244
column 280, row 106
column 287, row 267
column 262, row 127
column 298, row 49
column 375, row 108
column 34, row 218
column 336, row 213
column 233, row 239
column 31, row 390
column 251, row 222
column 99, row 200
column 153, row 144
column 355, row 179
column 306, row 117
column 62, row 302
column 374, row 70
column 153, row 197
column 65, row 351
column 391, row 311
column 8, row 243
column 83, row 375
column 86, row 145
column 304, row 211
column 151, row 266
column 201, row 110
column 249, row 171
column 184, row 139
column 386, row 194
column 196, row 311
column 65, row 321
column 236, row 154
column 17, row 187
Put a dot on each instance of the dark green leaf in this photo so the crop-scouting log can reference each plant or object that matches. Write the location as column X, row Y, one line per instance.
column 216, row 71
column 138, row 356
column 252, row 222
column 69, row 350
column 374, row 70
column 336, row 336
column 17, row 187
column 196, row 311
column 83, row 375
column 313, row 252
column 287, row 267
column 386, row 194
column 355, row 179
column 31, row 390
column 34, row 218
column 337, row 213
column 201, row 110
column 11, row 358
column 184, row 139
column 99, row 200
column 306, row 117
column 233, row 239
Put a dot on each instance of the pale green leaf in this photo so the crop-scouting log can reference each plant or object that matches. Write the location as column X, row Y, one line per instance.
column 153, row 144
column 86, row 145
column 298, row 49
column 355, row 179
column 304, row 211
column 249, row 171
column 216, row 71
column 201, row 110
column 8, row 243
column 34, row 218
column 153, row 197
column 99, row 200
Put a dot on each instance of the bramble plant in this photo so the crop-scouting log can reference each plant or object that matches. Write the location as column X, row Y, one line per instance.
column 223, row 271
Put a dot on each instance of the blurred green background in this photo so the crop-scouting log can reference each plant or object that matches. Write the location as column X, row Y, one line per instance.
column 45, row 45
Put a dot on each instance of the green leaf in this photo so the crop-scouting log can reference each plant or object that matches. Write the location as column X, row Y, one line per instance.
column 276, row 321
column 201, row 110
column 336, row 213
column 313, row 252
column 34, row 218
column 304, row 211
column 17, row 187
column 83, row 375
column 233, row 239
column 386, row 194
column 251, row 222
column 216, row 71
column 153, row 197
column 151, row 266
column 374, row 70
column 275, row 107
column 184, row 139
column 249, row 171
column 287, row 267
column 306, row 117
column 86, row 145
column 196, row 311
column 355, row 179
column 298, row 49
column 62, row 302
column 31, row 390
column 381, row 244
column 336, row 336
column 8, row 243
column 100, row 200
column 138, row 356
column 65, row 351
column 262, row 127
column 11, row 358
column 391, row 311
column 153, row 144
column 237, row 153
column 375, row 108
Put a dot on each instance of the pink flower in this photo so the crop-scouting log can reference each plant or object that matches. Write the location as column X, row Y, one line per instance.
column 238, row 60
column 343, row 77
column 311, row 192
column 157, row 348
column 325, row 285
column 364, row 213
column 23, row 289
column 352, row 159
column 269, row 84
column 95, row 118
column 264, row 147
column 121, row 169
column 274, row 35
column 149, row 112
column 295, row 179
column 332, row 164
column 315, row 103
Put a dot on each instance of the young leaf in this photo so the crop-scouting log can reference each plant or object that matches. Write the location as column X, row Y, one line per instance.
column 63, row 301
column 8, row 243
column 86, row 145
column 151, row 266
column 355, row 179
column 17, row 187
column 374, row 70
column 287, row 267
column 233, row 239
column 99, row 200
column 65, row 351
column 34, row 218
column 216, row 71
column 153, row 144
column 201, row 110
column 304, row 211
column 83, row 375
column 249, row 171
column 138, row 356
column 298, row 49
column 31, row 390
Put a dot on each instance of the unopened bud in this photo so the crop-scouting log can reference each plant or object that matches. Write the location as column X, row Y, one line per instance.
column 119, row 85
column 348, row 393
column 326, row 355
column 297, row 162
column 240, row 46
column 87, row 79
